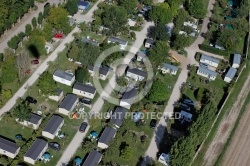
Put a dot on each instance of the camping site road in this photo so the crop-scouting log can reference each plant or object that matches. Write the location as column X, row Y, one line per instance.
column 238, row 152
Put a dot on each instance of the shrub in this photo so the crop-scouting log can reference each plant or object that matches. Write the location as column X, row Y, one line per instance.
column 213, row 50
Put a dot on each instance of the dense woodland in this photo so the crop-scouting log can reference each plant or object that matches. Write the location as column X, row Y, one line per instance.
column 11, row 11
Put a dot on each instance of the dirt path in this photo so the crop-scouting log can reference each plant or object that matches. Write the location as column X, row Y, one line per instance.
column 238, row 151
column 225, row 129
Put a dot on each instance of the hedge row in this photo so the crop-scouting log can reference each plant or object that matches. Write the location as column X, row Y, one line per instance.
column 213, row 50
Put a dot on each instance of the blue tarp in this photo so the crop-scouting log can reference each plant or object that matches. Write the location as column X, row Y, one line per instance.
column 94, row 134
column 78, row 161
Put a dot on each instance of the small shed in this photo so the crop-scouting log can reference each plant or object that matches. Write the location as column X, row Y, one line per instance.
column 230, row 75
column 83, row 5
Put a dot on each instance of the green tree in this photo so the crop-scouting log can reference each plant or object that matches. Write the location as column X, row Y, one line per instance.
column 159, row 53
column 161, row 13
column 9, row 71
column 74, row 52
column 158, row 92
column 46, row 10
column 147, row 2
column 114, row 18
column 46, row 83
column 159, row 32
column 28, row 29
column 22, row 111
column 82, row 75
column 6, row 94
column 199, row 94
column 72, row 7
column 126, row 153
column 129, row 5
column 47, row 31
column 180, row 42
column 88, row 54
column 58, row 18
column 36, row 45
column 174, row 6
column 227, row 38
column 13, row 43
column 40, row 18
column 197, row 8
column 121, row 81
column 34, row 22
column 180, row 18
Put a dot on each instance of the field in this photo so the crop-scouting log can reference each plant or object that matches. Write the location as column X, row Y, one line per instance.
column 237, row 153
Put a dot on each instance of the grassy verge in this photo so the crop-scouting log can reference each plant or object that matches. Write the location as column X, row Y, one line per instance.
column 233, row 96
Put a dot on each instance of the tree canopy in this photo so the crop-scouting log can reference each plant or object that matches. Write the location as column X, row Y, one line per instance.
column 114, row 18
column 58, row 18
column 129, row 5
column 46, row 83
column 36, row 45
column 157, row 92
column 159, row 32
column 197, row 8
column 159, row 53
column 88, row 54
column 161, row 13
column 227, row 39
column 82, row 75
column 180, row 41
column 22, row 111
column 72, row 6
column 9, row 70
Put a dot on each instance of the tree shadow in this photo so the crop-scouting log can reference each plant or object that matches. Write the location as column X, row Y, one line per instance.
column 33, row 50
column 149, row 31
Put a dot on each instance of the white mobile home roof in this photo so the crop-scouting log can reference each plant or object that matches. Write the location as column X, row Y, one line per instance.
column 231, row 73
column 210, row 58
column 237, row 59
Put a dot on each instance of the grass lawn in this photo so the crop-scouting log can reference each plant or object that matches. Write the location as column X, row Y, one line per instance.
column 93, row 35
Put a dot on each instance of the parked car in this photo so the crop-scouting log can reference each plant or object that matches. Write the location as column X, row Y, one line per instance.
column 185, row 106
column 85, row 101
column 54, row 146
column 153, row 123
column 34, row 62
column 83, row 127
column 31, row 100
column 189, row 102
column 58, row 36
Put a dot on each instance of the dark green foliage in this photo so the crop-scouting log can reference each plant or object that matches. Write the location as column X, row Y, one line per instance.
column 72, row 6
column 40, row 18
column 147, row 2
column 46, row 83
column 82, row 75
column 180, row 41
column 161, row 13
column 213, row 50
column 46, row 11
column 22, row 111
column 114, row 18
column 28, row 29
column 88, row 54
column 159, row 53
column 129, row 5
column 34, row 22
column 184, row 149
column 180, row 18
column 36, row 45
column 159, row 32
column 11, row 11
column 13, row 42
column 197, row 8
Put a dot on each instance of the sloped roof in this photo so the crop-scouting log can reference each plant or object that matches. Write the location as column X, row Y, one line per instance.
column 34, row 118
column 63, row 75
column 118, row 116
column 53, row 124
column 231, row 73
column 129, row 95
column 237, row 59
column 137, row 72
column 8, row 145
column 169, row 66
column 150, row 41
column 210, row 58
column 107, row 135
column 117, row 40
column 84, row 87
column 68, row 101
column 36, row 148
column 207, row 71
column 93, row 158
column 102, row 70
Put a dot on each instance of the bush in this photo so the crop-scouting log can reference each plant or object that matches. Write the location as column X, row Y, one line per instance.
column 213, row 50
column 135, row 28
